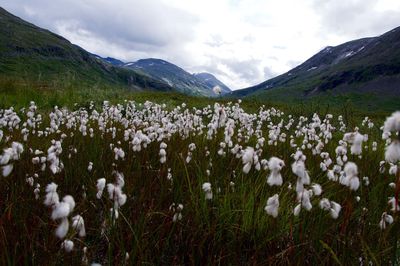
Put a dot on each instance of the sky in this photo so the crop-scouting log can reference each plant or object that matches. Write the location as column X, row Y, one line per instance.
column 241, row 42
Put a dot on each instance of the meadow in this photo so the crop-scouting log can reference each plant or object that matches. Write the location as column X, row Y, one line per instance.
column 188, row 181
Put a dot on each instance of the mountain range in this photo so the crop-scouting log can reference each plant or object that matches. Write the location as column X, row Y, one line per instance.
column 363, row 66
column 368, row 68
column 176, row 77
column 31, row 53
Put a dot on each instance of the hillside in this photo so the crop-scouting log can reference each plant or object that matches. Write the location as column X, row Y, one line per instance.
column 368, row 66
column 32, row 53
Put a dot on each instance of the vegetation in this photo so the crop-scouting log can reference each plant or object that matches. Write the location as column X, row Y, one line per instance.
column 223, row 165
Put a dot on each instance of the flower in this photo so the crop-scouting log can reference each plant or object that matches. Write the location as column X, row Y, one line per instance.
column 52, row 197
column 386, row 219
column 392, row 123
column 115, row 193
column 67, row 245
column 316, row 188
column 207, row 189
column 177, row 209
column 350, row 178
column 272, row 206
column 392, row 153
column 331, row 206
column 101, row 183
column 217, row 90
column 247, row 159
column 275, row 165
column 79, row 225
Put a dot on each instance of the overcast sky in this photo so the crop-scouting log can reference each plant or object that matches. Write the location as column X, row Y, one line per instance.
column 241, row 42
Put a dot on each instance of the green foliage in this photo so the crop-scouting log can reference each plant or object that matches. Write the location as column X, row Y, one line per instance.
column 233, row 228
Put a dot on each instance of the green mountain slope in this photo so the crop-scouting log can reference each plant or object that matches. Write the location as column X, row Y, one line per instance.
column 361, row 68
column 32, row 53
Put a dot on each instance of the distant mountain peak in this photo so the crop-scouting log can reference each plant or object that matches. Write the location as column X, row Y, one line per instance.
column 369, row 64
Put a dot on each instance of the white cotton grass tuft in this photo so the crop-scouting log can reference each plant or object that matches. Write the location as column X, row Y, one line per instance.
column 334, row 208
column 217, row 90
column 115, row 193
column 247, row 159
column 350, row 179
column 386, row 219
column 67, row 245
column 317, row 189
column 392, row 123
column 90, row 166
column 395, row 207
column 272, row 206
column 207, row 190
column 64, row 208
column 356, row 139
column 52, row 197
column 177, row 209
column 163, row 153
column 275, row 165
column 303, row 198
column 299, row 169
column 62, row 229
column 79, row 225
column 61, row 210
column 100, row 185
column 9, row 155
column 392, row 153
column 7, row 169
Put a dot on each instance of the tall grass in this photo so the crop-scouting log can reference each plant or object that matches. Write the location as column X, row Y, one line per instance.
column 232, row 228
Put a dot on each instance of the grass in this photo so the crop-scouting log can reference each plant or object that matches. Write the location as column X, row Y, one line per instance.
column 232, row 228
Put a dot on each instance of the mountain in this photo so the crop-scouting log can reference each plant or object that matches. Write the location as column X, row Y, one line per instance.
column 176, row 77
column 364, row 66
column 32, row 53
column 211, row 81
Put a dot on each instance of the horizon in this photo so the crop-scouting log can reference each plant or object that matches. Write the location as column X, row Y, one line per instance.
column 236, row 50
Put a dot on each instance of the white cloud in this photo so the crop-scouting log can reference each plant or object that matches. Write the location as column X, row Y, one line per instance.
column 242, row 42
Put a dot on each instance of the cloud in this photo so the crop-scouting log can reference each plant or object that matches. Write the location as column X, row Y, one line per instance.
column 132, row 27
column 241, row 42
column 357, row 18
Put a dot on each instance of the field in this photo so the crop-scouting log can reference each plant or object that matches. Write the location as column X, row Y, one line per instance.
column 173, row 183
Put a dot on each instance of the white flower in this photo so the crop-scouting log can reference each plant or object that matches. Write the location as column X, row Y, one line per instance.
column 247, row 159
column 62, row 228
column 356, row 139
column 316, row 188
column 392, row 123
column 392, row 153
column 7, row 169
column 331, row 206
column 350, row 179
column 177, row 209
column 60, row 211
column 115, row 193
column 296, row 210
column 394, row 204
column 52, row 197
column 67, row 245
column 335, row 209
column 90, row 166
column 101, row 183
column 207, row 189
column 386, row 219
column 275, row 165
column 272, row 206
column 79, row 225
column 217, row 90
